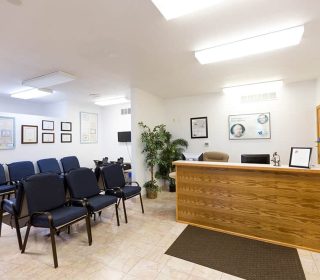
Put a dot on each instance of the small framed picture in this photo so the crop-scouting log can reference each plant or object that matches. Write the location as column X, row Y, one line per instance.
column 29, row 134
column 66, row 126
column 47, row 125
column 47, row 137
column 300, row 157
column 199, row 127
column 66, row 137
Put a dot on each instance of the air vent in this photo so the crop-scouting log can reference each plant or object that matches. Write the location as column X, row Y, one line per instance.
column 268, row 96
column 126, row 111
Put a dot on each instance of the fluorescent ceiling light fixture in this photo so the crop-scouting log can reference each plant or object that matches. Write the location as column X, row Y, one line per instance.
column 171, row 9
column 255, row 45
column 52, row 79
column 32, row 93
column 111, row 101
column 265, row 87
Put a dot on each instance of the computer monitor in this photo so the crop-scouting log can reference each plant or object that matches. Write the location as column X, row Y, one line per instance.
column 256, row 158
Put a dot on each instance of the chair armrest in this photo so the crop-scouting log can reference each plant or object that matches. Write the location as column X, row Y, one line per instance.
column 133, row 182
column 83, row 202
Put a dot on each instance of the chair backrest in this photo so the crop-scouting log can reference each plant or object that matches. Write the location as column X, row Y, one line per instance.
column 20, row 170
column 3, row 179
column 49, row 165
column 70, row 163
column 215, row 156
column 113, row 176
column 44, row 192
column 82, row 183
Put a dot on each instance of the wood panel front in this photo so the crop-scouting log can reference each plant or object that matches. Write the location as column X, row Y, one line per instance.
column 279, row 206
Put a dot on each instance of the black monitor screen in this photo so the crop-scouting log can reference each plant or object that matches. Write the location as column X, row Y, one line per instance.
column 258, row 158
column 124, row 136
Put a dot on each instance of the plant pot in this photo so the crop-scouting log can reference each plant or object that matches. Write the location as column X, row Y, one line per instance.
column 152, row 194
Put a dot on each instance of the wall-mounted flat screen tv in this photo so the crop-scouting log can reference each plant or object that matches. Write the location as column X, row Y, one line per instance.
column 124, row 136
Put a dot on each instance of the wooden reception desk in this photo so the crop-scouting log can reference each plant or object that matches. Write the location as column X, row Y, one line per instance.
column 275, row 204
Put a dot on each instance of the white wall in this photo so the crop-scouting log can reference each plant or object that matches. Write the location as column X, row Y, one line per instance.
column 30, row 113
column 113, row 122
column 149, row 109
column 292, row 121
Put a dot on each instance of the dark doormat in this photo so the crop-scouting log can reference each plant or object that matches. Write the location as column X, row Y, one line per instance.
column 238, row 256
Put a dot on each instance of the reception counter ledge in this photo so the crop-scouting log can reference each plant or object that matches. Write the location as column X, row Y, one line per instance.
column 275, row 204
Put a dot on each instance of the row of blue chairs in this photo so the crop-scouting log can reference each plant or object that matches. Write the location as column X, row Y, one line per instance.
column 56, row 204
column 18, row 171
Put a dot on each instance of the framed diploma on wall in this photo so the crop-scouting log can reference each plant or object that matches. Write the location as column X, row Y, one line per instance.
column 300, row 157
column 29, row 134
column 7, row 133
column 199, row 127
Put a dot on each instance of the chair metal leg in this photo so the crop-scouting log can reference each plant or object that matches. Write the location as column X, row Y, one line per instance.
column 26, row 239
column 68, row 229
column 1, row 216
column 124, row 210
column 54, row 249
column 141, row 203
column 16, row 221
column 117, row 214
column 100, row 212
column 89, row 230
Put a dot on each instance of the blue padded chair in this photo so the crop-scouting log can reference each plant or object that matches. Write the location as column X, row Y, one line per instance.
column 49, row 165
column 116, row 185
column 48, row 208
column 14, row 207
column 5, row 187
column 70, row 163
column 82, row 184
column 21, row 170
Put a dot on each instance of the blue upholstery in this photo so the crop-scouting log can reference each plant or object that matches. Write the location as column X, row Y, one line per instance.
column 60, row 216
column 8, row 205
column 70, row 163
column 3, row 179
column 44, row 192
column 98, row 202
column 130, row 190
column 82, row 183
column 7, row 188
column 20, row 170
column 113, row 176
column 49, row 165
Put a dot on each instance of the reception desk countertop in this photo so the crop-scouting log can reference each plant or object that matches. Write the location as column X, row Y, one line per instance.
column 275, row 204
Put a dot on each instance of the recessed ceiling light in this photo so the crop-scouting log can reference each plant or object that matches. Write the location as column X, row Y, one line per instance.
column 32, row 93
column 272, row 86
column 52, row 79
column 171, row 9
column 259, row 44
column 111, row 101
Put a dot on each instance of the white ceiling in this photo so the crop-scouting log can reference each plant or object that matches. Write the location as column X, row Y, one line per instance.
column 113, row 45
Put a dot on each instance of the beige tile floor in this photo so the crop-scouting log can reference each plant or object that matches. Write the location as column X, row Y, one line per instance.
column 130, row 252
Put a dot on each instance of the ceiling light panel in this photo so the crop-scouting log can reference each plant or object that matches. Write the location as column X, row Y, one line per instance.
column 171, row 9
column 31, row 94
column 111, row 101
column 49, row 80
column 255, row 45
column 265, row 87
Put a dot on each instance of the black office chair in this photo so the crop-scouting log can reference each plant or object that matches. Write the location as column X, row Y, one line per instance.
column 6, row 189
column 70, row 163
column 115, row 184
column 48, row 208
column 83, row 185
column 14, row 207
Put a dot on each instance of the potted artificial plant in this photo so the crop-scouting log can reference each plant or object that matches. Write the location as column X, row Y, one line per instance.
column 152, row 140
column 172, row 150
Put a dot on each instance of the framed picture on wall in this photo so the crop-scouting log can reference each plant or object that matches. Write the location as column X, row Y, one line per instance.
column 47, row 125
column 7, row 133
column 29, row 134
column 66, row 137
column 88, row 128
column 47, row 137
column 199, row 127
column 66, row 126
column 300, row 157
column 249, row 126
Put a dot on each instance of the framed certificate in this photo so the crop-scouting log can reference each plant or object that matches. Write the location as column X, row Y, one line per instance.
column 66, row 137
column 47, row 125
column 66, row 126
column 47, row 137
column 199, row 127
column 300, row 157
column 7, row 133
column 29, row 134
